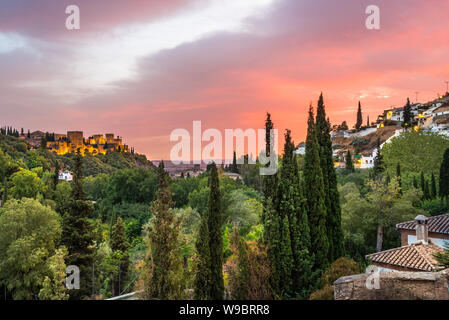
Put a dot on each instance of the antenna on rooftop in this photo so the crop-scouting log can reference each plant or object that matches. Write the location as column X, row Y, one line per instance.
column 416, row 92
column 447, row 86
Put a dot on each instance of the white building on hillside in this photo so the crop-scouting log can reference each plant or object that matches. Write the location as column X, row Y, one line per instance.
column 65, row 175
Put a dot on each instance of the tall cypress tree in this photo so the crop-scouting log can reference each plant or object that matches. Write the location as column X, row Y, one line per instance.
column 407, row 114
column 332, row 197
column 398, row 175
column 164, row 255
column 348, row 162
column 359, row 122
column 269, row 181
column 202, row 281
column 291, row 210
column 424, row 186
column 77, row 233
column 315, row 196
column 215, row 236
column 433, row 191
column 234, row 167
column 119, row 243
column 379, row 166
column 444, row 176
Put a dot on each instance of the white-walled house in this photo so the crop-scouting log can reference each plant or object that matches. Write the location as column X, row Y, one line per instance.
column 65, row 175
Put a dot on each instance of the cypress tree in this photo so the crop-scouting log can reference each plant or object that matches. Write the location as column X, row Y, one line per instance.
column 359, row 122
column 77, row 232
column 272, row 240
column 291, row 209
column 424, row 186
column 119, row 242
column 348, row 162
column 234, row 167
column 398, row 175
column 379, row 166
column 433, row 191
column 269, row 181
column 444, row 176
column 315, row 196
column 407, row 114
column 165, row 257
column 332, row 197
column 215, row 236
column 415, row 182
column 203, row 280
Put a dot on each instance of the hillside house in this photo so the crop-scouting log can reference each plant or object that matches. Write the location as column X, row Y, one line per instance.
column 438, row 230
column 416, row 256
column 65, row 175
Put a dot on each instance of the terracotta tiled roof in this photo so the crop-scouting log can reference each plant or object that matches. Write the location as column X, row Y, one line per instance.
column 414, row 256
column 437, row 224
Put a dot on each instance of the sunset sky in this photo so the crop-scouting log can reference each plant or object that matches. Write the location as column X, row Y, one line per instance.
column 141, row 68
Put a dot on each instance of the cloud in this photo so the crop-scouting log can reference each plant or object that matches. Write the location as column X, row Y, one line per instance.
column 277, row 59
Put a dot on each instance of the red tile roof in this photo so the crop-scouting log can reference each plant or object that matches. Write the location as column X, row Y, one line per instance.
column 437, row 224
column 415, row 256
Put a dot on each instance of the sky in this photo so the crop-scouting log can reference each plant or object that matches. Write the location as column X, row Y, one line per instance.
column 143, row 68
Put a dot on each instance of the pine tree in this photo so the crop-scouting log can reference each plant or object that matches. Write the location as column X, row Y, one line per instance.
column 77, row 232
column 359, row 122
column 433, row 190
column 215, row 236
column 444, row 176
column 164, row 258
column 407, row 114
column 348, row 162
column 332, row 200
column 119, row 243
column 314, row 191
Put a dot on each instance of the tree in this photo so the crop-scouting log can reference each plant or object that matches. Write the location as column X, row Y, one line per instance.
column 26, row 184
column 359, row 122
column 77, row 232
column 398, row 176
column 249, row 270
column 348, row 162
column 407, row 115
column 269, row 181
column 388, row 206
column 339, row 268
column 215, row 236
column 332, row 198
column 416, row 151
column 433, row 190
column 314, row 192
column 119, row 243
column 424, row 187
column 30, row 262
column 234, row 167
column 444, row 176
column 295, row 232
column 203, row 279
column 164, row 265
column 379, row 166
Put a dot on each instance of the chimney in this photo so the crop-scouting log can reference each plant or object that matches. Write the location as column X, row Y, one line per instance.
column 422, row 229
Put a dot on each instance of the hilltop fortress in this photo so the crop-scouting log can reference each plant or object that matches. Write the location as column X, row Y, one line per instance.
column 72, row 141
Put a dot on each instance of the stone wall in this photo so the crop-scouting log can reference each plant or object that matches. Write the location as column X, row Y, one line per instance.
column 395, row 286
